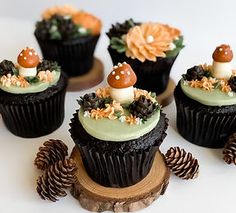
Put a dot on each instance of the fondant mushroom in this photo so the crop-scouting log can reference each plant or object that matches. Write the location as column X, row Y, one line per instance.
column 28, row 61
column 222, row 58
column 121, row 81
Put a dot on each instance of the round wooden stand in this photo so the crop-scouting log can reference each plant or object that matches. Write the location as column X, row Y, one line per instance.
column 95, row 197
column 166, row 97
column 88, row 80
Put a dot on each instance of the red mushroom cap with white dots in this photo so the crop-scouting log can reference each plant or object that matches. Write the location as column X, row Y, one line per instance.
column 28, row 58
column 223, row 53
column 122, row 76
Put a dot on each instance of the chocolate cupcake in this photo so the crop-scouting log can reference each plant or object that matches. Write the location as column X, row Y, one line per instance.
column 118, row 130
column 68, row 36
column 32, row 95
column 206, row 101
column 149, row 48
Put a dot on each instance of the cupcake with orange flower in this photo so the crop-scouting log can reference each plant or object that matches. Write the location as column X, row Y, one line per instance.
column 206, row 101
column 32, row 95
column 69, row 36
column 150, row 48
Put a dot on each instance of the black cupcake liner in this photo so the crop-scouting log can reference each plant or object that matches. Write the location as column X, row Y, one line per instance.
column 207, row 126
column 151, row 76
column 116, row 169
column 74, row 56
column 28, row 116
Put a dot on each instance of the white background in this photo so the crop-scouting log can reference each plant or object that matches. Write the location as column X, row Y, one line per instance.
column 204, row 24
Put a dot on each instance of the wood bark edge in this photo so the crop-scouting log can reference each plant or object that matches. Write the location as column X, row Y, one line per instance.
column 97, row 198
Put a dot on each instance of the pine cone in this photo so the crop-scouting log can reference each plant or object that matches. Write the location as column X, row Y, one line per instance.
column 48, row 65
column 120, row 29
column 65, row 28
column 51, row 152
column 229, row 151
column 182, row 164
column 195, row 73
column 232, row 83
column 7, row 67
column 56, row 179
column 143, row 108
column 42, row 29
column 91, row 101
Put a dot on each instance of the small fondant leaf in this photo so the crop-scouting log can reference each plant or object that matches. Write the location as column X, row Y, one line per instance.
column 173, row 53
column 118, row 44
column 116, row 41
column 179, row 42
column 107, row 100
column 179, row 46
column 32, row 80
column 118, row 113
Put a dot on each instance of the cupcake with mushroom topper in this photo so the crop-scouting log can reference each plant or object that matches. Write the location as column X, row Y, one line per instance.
column 32, row 95
column 69, row 36
column 118, row 125
column 149, row 48
column 206, row 101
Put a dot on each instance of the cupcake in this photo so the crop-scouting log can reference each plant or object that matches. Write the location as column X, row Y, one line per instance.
column 32, row 94
column 68, row 36
column 149, row 48
column 206, row 101
column 118, row 130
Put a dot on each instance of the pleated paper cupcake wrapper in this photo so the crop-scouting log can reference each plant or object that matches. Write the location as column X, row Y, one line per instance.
column 115, row 169
column 34, row 119
column 151, row 76
column 75, row 57
column 204, row 128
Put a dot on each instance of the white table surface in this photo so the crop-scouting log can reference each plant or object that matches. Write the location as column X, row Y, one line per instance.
column 204, row 24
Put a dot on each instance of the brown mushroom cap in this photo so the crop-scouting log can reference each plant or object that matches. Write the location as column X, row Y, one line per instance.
column 122, row 76
column 222, row 53
column 28, row 58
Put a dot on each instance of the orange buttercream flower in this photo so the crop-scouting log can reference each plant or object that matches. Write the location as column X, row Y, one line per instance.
column 103, row 92
column 8, row 80
column 97, row 113
column 131, row 120
column 23, row 82
column 88, row 21
column 59, row 10
column 149, row 41
column 205, row 83
column 206, row 67
column 139, row 92
column 233, row 72
column 46, row 76
column 195, row 84
column 224, row 86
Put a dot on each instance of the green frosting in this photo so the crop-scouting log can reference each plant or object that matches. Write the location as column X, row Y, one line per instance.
column 33, row 88
column 209, row 98
column 114, row 130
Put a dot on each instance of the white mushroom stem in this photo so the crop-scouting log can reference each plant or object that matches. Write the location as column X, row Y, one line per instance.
column 222, row 70
column 27, row 72
column 123, row 95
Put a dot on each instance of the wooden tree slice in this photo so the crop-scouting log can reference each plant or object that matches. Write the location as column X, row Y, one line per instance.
column 95, row 197
column 166, row 97
column 88, row 80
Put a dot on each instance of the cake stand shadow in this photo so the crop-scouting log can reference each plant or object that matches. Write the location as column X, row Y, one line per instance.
column 88, row 80
column 167, row 97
